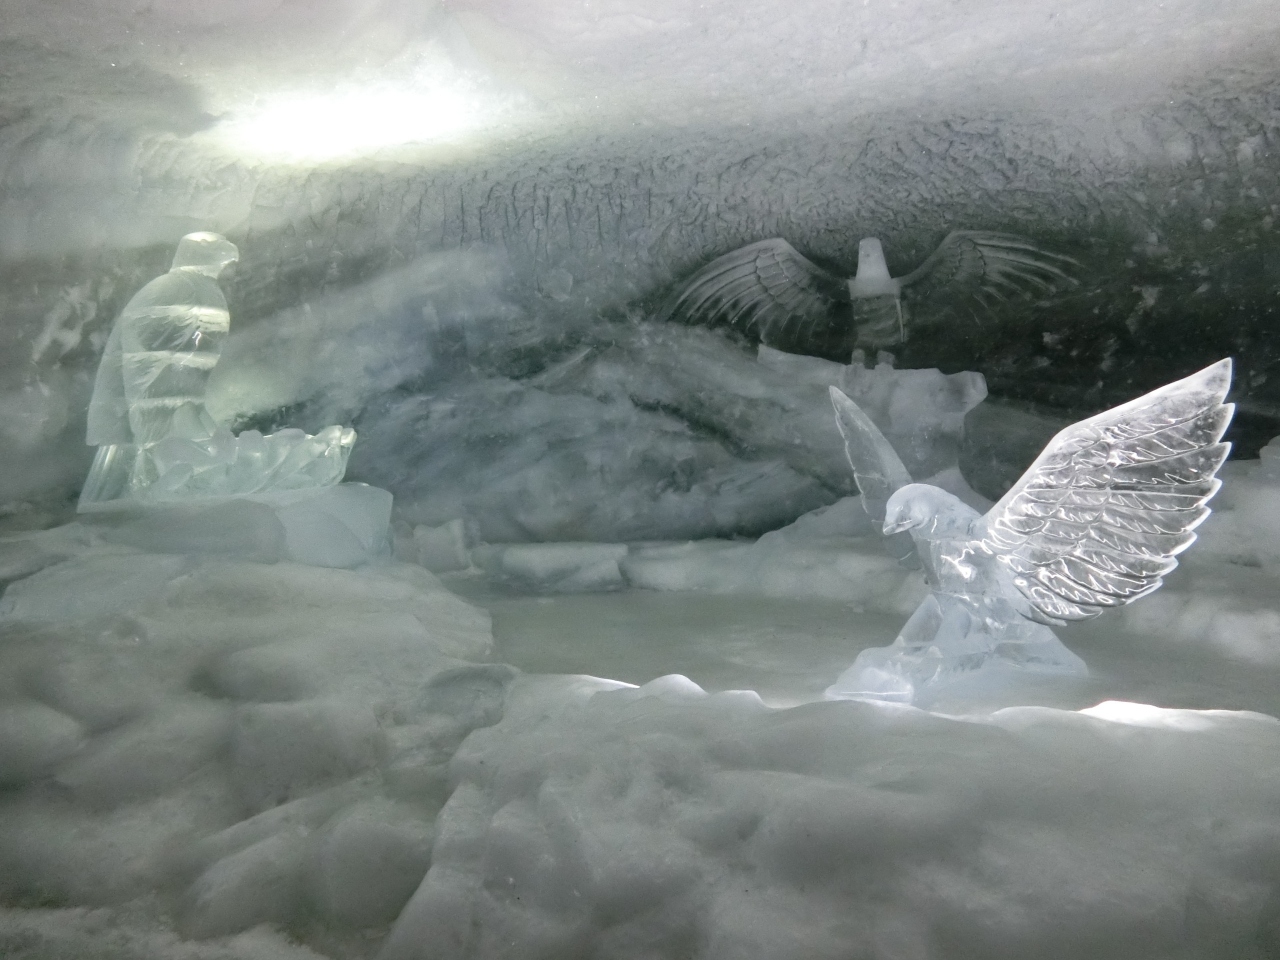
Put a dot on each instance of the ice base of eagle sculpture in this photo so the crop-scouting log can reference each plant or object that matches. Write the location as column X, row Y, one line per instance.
column 160, row 452
column 1097, row 521
column 953, row 639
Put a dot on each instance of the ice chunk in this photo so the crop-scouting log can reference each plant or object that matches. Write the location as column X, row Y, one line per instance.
column 443, row 548
column 945, row 643
column 342, row 526
column 224, row 465
column 556, row 567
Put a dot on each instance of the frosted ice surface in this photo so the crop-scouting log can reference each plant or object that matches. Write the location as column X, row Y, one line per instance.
column 555, row 567
column 156, row 440
column 657, row 432
column 1096, row 522
column 343, row 525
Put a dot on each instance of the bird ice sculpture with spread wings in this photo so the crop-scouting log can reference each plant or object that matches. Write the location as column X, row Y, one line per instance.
column 767, row 289
column 1096, row 521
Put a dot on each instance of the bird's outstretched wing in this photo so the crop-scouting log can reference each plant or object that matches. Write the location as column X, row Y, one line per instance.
column 769, row 291
column 989, row 267
column 1099, row 519
column 877, row 469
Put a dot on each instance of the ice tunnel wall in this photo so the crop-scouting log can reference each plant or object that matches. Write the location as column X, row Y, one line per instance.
column 362, row 277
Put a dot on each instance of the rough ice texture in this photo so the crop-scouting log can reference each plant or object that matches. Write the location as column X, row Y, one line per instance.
column 226, row 465
column 597, row 821
column 264, row 739
column 275, row 743
column 649, row 432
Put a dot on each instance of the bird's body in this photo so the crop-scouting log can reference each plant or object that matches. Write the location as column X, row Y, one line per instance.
column 770, row 291
column 1097, row 521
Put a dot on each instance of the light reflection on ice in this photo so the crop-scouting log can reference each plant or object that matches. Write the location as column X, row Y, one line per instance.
column 1148, row 715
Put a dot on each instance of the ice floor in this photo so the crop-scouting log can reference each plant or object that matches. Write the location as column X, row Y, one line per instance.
column 788, row 650
column 206, row 756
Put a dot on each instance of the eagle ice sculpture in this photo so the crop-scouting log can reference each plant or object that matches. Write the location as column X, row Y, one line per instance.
column 768, row 290
column 1097, row 521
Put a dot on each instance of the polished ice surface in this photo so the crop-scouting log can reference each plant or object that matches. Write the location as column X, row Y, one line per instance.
column 148, row 417
column 1096, row 522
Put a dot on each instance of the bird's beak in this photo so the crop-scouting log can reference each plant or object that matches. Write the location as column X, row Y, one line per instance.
column 896, row 526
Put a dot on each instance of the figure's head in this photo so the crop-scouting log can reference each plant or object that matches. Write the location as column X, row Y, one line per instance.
column 921, row 505
column 204, row 252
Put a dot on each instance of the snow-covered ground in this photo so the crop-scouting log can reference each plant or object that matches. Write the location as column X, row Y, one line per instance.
column 195, row 745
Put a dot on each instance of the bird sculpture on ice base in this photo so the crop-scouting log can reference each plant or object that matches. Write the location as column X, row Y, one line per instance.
column 769, row 290
column 1097, row 521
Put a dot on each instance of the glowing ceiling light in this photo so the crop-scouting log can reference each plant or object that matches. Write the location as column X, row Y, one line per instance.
column 347, row 123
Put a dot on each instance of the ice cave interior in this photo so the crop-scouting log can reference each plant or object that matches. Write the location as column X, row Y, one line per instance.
column 565, row 287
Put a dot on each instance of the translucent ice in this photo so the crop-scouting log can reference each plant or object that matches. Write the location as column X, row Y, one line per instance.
column 655, row 432
column 1096, row 522
column 148, row 418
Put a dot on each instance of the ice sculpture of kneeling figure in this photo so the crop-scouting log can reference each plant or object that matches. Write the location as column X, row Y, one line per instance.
column 159, row 447
column 1097, row 521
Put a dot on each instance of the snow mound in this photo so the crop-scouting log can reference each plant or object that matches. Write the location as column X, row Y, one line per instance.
column 665, row 821
column 254, row 742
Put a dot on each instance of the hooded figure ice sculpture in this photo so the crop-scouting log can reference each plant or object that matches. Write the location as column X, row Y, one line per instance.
column 1097, row 521
column 155, row 437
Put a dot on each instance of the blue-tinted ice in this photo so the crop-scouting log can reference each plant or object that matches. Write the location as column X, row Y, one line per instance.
column 1097, row 521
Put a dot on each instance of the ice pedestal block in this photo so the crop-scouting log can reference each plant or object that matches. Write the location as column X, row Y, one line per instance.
column 338, row 526
column 946, row 643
